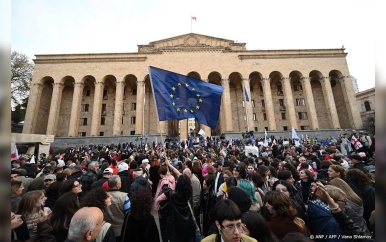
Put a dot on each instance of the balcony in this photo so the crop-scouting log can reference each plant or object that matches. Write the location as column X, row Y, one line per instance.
column 282, row 108
column 280, row 93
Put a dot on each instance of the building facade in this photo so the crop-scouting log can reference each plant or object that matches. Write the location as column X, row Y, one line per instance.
column 366, row 104
column 110, row 94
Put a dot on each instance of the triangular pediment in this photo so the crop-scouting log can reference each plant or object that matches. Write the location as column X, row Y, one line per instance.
column 191, row 42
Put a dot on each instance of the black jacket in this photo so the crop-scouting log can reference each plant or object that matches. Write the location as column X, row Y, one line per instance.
column 126, row 180
column 349, row 228
column 139, row 182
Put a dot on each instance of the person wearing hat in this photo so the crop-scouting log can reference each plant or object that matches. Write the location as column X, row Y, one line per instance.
column 76, row 172
column 107, row 173
column 123, row 173
column 49, row 179
column 356, row 161
column 38, row 182
column 139, row 181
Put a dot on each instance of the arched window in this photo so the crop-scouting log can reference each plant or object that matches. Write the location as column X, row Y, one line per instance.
column 367, row 106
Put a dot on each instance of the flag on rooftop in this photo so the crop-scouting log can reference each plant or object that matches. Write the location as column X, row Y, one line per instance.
column 181, row 97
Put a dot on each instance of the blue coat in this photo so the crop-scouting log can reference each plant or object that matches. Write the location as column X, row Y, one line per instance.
column 321, row 222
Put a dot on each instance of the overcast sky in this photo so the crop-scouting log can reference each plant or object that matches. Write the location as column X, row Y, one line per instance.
column 115, row 26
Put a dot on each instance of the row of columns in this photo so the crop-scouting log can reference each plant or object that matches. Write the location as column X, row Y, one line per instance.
column 226, row 112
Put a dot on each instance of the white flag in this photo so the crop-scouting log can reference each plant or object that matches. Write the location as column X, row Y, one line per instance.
column 295, row 137
column 251, row 149
column 356, row 143
column 201, row 132
column 14, row 154
column 265, row 139
column 32, row 161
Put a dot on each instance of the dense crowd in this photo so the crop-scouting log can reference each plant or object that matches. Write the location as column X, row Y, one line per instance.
column 210, row 191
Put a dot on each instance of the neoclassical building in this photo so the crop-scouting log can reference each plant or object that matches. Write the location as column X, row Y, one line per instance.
column 110, row 94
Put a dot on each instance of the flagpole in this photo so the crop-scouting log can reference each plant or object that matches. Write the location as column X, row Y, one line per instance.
column 245, row 105
column 143, row 113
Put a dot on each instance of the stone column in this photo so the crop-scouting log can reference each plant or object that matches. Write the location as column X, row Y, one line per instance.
column 75, row 109
column 120, row 87
column 139, row 129
column 351, row 103
column 183, row 129
column 269, row 104
column 54, row 108
column 306, row 83
column 32, row 108
column 289, row 101
column 248, row 105
column 227, row 110
column 327, row 91
column 97, row 109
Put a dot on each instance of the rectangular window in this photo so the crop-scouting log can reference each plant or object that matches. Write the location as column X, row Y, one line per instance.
column 253, row 103
column 266, row 128
column 88, row 92
column 104, row 107
column 285, row 128
column 254, row 117
column 255, row 128
column 264, row 116
column 243, row 104
column 105, row 94
column 122, row 120
column 134, row 92
column 283, row 117
column 281, row 102
column 133, row 106
column 300, row 102
column 83, row 122
column 85, row 107
column 132, row 132
column 82, row 134
column 132, row 120
column 302, row 115
column 263, row 104
column 251, row 88
column 303, row 127
column 101, row 133
column 298, row 88
column 103, row 121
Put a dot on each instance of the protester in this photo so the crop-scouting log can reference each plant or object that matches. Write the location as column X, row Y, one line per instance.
column 139, row 225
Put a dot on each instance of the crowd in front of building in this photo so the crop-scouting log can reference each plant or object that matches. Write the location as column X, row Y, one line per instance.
column 212, row 191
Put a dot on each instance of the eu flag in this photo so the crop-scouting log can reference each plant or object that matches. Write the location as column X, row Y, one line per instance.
column 180, row 97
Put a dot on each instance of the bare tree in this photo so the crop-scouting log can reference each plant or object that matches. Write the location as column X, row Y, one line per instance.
column 21, row 70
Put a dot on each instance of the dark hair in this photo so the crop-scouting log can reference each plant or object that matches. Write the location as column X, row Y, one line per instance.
column 273, row 171
column 358, row 177
column 295, row 237
column 65, row 207
column 163, row 170
column 284, row 183
column 282, row 204
column 184, row 190
column 262, row 170
column 15, row 185
column 226, row 209
column 242, row 169
column 284, row 175
column 67, row 186
column 256, row 179
column 325, row 164
column 95, row 198
column 310, row 178
column 141, row 203
column 209, row 181
column 60, row 177
column 258, row 227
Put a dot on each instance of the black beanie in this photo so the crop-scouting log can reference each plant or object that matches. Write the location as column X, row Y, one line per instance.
column 240, row 197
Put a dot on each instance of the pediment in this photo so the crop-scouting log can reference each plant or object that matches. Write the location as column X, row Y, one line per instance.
column 191, row 42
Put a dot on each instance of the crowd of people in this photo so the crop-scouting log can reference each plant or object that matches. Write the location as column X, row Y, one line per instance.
column 211, row 192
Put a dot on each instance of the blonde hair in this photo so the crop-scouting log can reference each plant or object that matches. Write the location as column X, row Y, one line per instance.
column 351, row 195
column 335, row 192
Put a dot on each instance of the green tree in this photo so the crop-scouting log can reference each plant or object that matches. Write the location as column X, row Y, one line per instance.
column 21, row 76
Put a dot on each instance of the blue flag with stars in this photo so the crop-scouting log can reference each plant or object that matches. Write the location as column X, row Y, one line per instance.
column 181, row 97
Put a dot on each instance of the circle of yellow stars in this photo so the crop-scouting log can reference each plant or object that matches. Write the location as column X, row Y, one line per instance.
column 185, row 110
